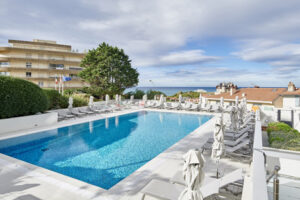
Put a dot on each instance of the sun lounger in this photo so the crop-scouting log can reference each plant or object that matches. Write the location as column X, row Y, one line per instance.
column 85, row 111
column 228, row 149
column 175, row 106
column 207, row 108
column 215, row 108
column 169, row 191
column 186, row 106
column 167, row 105
column 76, row 112
column 229, row 141
column 231, row 133
column 62, row 114
column 194, row 107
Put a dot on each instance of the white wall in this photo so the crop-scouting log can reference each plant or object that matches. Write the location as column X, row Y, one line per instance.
column 289, row 101
column 27, row 122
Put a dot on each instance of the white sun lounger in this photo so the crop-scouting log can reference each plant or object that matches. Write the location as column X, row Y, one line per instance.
column 236, row 141
column 186, row 106
column 237, row 147
column 168, row 191
column 194, row 107
column 85, row 110
column 207, row 108
column 215, row 108
column 76, row 112
column 175, row 106
column 231, row 133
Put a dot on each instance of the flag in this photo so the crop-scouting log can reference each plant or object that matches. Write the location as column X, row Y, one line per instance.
column 66, row 78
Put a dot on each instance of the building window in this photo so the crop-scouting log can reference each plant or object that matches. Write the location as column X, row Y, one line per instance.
column 41, row 83
column 4, row 64
column 41, row 56
column 28, row 74
column 28, row 55
column 28, row 65
column 56, row 66
column 4, row 73
column 73, row 76
column 297, row 101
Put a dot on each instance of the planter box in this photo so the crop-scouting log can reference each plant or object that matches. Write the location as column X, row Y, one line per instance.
column 27, row 122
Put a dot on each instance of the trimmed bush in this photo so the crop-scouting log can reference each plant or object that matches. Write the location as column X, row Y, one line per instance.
column 19, row 97
column 282, row 136
column 55, row 100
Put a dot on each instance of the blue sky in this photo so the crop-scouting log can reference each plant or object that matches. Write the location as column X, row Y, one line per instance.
column 173, row 42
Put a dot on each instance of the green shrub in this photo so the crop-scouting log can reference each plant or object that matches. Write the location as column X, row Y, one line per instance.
column 152, row 93
column 278, row 126
column 79, row 101
column 282, row 136
column 55, row 99
column 19, row 97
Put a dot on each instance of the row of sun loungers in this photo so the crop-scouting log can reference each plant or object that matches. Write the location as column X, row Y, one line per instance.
column 97, row 109
column 171, row 190
column 182, row 106
column 237, row 142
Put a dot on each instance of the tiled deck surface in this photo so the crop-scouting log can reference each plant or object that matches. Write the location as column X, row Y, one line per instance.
column 19, row 180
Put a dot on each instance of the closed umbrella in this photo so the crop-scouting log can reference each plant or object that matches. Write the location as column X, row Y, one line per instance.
column 222, row 102
column 117, row 98
column 145, row 98
column 200, row 102
column 180, row 98
column 234, row 118
column 237, row 100
column 131, row 98
column 70, row 103
column 106, row 99
column 193, row 175
column 218, row 145
column 120, row 98
column 91, row 102
column 161, row 100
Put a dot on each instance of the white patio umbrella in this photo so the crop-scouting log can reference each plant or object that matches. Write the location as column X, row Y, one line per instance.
column 200, row 102
column 70, row 103
column 155, row 97
column 161, row 100
column 117, row 98
column 180, row 98
column 106, row 99
column 91, row 102
column 193, row 175
column 234, row 118
column 218, row 145
column 237, row 100
column 222, row 102
column 145, row 98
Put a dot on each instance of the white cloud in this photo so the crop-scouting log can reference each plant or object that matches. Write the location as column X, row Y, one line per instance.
column 281, row 55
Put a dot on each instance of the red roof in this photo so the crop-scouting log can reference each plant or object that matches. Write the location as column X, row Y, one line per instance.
column 252, row 94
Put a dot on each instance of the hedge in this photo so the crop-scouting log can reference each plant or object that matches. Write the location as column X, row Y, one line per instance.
column 55, row 99
column 19, row 97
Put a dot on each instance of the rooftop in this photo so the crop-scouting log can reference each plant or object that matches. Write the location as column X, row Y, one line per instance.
column 252, row 94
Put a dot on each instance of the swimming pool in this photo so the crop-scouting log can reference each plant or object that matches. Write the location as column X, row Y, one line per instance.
column 105, row 151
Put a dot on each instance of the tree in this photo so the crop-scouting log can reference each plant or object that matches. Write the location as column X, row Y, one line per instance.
column 108, row 70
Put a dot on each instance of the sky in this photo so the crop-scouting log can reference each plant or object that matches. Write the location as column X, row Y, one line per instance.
column 173, row 42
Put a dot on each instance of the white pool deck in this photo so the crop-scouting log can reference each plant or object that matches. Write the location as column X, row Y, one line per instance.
column 23, row 181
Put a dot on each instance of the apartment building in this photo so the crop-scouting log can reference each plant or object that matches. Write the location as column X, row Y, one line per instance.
column 41, row 61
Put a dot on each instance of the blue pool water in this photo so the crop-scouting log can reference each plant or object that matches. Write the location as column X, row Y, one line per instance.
column 103, row 152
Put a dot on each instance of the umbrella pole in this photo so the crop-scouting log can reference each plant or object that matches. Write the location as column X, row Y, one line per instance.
column 217, row 175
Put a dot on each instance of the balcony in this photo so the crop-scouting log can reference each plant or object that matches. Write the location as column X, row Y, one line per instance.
column 47, row 60
column 49, row 69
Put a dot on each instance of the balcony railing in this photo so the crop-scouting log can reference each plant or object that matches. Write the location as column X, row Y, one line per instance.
column 256, row 186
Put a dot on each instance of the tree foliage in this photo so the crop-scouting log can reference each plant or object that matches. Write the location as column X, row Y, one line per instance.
column 108, row 70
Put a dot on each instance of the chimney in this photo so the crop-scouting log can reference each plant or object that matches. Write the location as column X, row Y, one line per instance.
column 231, row 91
column 291, row 87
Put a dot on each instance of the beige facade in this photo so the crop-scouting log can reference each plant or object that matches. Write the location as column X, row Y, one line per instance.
column 40, row 61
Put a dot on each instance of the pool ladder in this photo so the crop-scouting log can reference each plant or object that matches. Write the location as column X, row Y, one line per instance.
column 275, row 182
